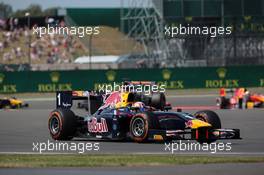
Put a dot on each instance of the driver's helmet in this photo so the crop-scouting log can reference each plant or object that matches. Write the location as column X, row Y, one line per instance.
column 138, row 105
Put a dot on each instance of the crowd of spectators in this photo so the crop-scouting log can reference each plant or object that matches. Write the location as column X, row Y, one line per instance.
column 48, row 49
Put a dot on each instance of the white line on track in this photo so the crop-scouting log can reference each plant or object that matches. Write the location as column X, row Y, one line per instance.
column 39, row 99
column 192, row 96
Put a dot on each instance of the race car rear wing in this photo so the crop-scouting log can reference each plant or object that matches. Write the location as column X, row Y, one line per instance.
column 64, row 99
column 140, row 82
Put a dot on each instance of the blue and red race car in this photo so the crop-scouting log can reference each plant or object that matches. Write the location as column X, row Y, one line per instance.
column 119, row 116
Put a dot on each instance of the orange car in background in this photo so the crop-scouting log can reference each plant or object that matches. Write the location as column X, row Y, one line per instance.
column 239, row 98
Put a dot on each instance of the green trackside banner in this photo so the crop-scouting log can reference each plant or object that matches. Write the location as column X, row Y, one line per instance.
column 176, row 78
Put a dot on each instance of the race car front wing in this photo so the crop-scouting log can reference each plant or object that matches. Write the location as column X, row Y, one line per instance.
column 204, row 133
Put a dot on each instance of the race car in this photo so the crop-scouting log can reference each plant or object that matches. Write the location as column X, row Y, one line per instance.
column 156, row 100
column 133, row 121
column 12, row 103
column 239, row 98
column 256, row 99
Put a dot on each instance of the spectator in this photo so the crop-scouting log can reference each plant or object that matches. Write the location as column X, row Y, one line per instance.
column 15, row 23
column 1, row 47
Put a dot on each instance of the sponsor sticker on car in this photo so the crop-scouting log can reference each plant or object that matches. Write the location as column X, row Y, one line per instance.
column 97, row 127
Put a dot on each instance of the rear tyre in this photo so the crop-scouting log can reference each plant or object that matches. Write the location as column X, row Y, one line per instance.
column 158, row 101
column 223, row 103
column 139, row 127
column 259, row 105
column 62, row 124
column 5, row 104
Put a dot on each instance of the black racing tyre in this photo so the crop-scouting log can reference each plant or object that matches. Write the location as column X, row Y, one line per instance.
column 223, row 103
column 19, row 105
column 5, row 103
column 139, row 97
column 14, row 106
column 139, row 127
column 62, row 124
column 209, row 117
column 158, row 101
column 142, row 98
column 259, row 105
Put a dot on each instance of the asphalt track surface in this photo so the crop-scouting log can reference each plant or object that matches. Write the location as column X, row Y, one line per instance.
column 19, row 129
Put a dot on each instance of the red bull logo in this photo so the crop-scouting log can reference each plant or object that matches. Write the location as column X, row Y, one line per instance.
column 111, row 100
column 94, row 126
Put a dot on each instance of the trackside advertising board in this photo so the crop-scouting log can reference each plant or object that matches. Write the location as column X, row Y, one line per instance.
column 176, row 78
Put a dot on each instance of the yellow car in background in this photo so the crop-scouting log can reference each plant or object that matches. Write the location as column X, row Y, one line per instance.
column 12, row 103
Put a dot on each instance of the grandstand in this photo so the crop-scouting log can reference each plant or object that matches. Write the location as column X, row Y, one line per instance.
column 49, row 49
column 52, row 49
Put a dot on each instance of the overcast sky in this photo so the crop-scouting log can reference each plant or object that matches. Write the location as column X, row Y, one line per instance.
column 22, row 4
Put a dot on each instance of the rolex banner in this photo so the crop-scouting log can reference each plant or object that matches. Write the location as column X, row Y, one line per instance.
column 176, row 78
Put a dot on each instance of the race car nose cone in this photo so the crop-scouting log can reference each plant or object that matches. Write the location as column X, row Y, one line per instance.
column 194, row 124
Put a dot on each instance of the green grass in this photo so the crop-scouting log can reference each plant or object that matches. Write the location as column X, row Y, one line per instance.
column 13, row 161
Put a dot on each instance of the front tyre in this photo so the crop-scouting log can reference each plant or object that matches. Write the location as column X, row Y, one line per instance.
column 209, row 117
column 62, row 124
